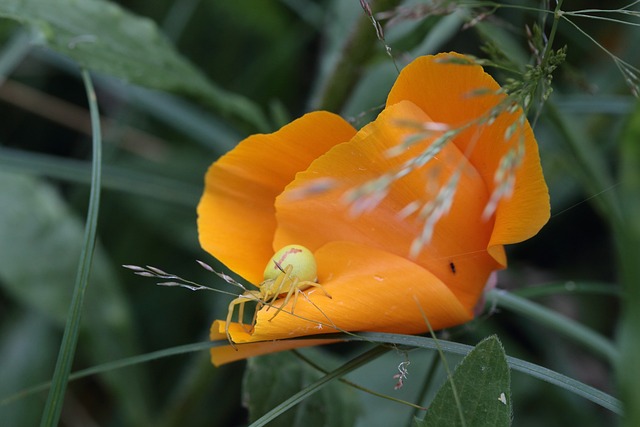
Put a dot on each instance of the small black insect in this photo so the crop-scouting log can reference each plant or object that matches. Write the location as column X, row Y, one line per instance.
column 452, row 266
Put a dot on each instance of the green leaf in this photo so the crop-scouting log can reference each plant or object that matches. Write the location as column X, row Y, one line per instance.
column 270, row 380
column 103, row 37
column 482, row 386
column 40, row 242
column 27, row 342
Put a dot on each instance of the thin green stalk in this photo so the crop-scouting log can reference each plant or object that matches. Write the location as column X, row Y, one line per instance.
column 55, row 399
column 116, row 364
column 570, row 328
column 554, row 29
column 531, row 369
column 570, row 288
column 357, row 386
column 409, row 341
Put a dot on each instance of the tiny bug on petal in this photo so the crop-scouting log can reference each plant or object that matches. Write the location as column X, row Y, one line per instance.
column 452, row 266
column 290, row 271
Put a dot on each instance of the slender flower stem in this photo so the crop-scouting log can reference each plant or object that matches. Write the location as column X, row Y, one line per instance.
column 554, row 28
column 55, row 399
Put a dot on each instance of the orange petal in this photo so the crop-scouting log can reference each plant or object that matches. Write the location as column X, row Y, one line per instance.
column 371, row 290
column 226, row 354
column 448, row 93
column 236, row 220
column 457, row 253
column 522, row 215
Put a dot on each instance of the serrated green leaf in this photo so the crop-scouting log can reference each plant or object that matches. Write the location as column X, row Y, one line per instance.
column 482, row 385
column 103, row 37
column 269, row 380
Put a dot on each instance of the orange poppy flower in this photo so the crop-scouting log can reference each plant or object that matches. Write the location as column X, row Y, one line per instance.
column 257, row 200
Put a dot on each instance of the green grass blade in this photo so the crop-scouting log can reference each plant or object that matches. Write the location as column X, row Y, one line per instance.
column 314, row 387
column 319, row 368
column 568, row 327
column 116, row 364
column 580, row 389
column 55, row 399
column 590, row 393
column 571, row 288
column 113, row 177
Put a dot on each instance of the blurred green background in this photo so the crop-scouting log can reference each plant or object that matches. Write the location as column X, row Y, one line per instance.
column 283, row 58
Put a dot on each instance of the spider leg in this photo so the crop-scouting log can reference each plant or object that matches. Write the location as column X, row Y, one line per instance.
column 297, row 292
column 241, row 315
column 255, row 315
column 308, row 284
column 297, row 289
column 232, row 305
column 292, row 288
column 277, row 287
column 240, row 301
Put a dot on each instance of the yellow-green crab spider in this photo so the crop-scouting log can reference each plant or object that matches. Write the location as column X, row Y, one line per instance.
column 290, row 271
